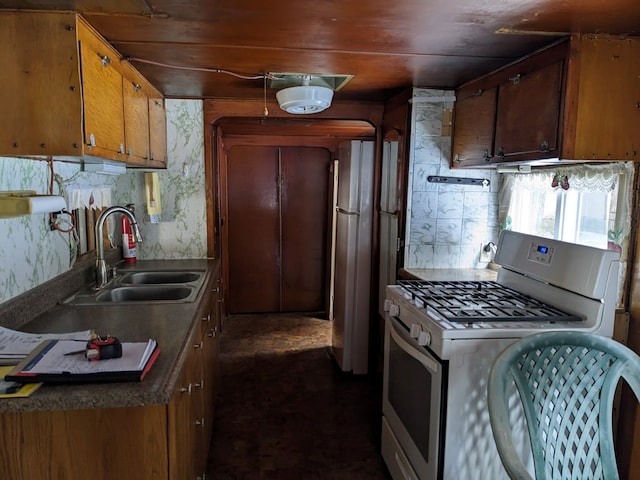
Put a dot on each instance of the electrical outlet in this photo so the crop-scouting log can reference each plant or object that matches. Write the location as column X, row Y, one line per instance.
column 485, row 257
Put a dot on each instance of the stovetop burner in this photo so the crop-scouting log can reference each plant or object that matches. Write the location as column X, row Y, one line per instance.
column 480, row 301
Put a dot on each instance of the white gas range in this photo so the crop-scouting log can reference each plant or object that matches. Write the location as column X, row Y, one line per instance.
column 442, row 337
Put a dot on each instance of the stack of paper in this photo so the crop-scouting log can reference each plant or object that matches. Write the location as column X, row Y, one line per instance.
column 56, row 361
column 15, row 346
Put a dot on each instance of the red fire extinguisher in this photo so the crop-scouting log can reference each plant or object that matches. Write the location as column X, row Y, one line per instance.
column 128, row 241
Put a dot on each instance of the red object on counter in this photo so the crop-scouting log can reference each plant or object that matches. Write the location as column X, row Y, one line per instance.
column 128, row 241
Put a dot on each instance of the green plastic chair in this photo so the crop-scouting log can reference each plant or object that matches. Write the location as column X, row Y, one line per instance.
column 566, row 382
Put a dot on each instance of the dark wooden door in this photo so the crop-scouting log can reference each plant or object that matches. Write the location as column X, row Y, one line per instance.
column 277, row 225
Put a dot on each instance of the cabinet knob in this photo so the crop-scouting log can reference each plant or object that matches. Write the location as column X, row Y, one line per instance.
column 501, row 152
column 485, row 155
column 545, row 147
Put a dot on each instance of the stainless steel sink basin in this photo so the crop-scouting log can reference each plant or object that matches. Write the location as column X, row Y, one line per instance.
column 160, row 293
column 145, row 286
column 160, row 277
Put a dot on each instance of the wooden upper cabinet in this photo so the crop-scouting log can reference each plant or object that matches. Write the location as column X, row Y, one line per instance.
column 136, row 120
column 67, row 92
column 578, row 100
column 474, row 124
column 528, row 113
column 603, row 109
column 157, row 131
column 102, row 96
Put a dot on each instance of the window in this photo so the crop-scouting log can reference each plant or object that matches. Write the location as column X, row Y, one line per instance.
column 582, row 217
column 584, row 204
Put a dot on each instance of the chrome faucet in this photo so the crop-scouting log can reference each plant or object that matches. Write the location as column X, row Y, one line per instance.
column 101, row 265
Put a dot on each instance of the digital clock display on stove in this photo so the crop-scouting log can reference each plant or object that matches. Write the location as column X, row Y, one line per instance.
column 540, row 253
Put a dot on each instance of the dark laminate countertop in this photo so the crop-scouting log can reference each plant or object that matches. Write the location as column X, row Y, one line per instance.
column 169, row 324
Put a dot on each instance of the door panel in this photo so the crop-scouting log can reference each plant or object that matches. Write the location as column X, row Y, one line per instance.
column 253, row 226
column 277, row 228
column 305, row 176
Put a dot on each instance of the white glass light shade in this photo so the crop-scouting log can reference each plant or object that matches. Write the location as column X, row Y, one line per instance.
column 304, row 99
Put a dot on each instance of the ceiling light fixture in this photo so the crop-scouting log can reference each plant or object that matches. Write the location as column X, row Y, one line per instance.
column 304, row 99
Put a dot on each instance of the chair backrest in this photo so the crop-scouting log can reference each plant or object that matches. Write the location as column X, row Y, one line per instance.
column 566, row 382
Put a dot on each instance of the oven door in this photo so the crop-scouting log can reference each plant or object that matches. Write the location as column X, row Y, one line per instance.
column 412, row 406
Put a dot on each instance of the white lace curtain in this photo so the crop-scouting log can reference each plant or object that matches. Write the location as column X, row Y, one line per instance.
column 594, row 178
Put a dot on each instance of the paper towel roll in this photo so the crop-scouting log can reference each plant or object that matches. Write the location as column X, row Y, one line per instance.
column 14, row 206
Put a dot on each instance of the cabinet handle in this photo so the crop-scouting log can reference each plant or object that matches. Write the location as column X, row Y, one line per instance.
column 477, row 93
column 515, row 79
column 198, row 345
column 136, row 86
column 200, row 422
column 501, row 152
column 186, row 389
column 207, row 318
column 486, row 156
column 456, row 158
column 104, row 59
column 213, row 332
column 199, row 384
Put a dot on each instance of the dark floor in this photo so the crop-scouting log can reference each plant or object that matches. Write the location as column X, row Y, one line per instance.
column 285, row 411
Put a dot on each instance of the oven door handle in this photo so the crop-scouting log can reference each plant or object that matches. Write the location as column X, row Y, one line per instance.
column 414, row 350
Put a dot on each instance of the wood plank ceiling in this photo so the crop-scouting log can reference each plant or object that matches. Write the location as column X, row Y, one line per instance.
column 387, row 46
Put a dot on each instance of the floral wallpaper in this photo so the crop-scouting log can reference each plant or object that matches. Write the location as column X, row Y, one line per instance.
column 31, row 254
column 446, row 224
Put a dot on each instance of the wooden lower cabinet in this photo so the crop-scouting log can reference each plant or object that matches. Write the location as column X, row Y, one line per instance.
column 155, row 442
column 100, row 444
column 192, row 406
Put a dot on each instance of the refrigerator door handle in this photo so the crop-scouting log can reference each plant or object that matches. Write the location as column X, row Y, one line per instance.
column 346, row 212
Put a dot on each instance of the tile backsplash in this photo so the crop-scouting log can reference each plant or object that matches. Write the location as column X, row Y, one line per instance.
column 446, row 224
column 31, row 254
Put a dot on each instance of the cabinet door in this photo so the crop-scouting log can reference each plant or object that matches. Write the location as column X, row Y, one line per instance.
column 277, row 224
column 528, row 115
column 608, row 125
column 102, row 101
column 474, row 122
column 136, row 121
column 184, row 413
column 157, row 131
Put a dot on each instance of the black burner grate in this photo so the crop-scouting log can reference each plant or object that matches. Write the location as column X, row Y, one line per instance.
column 480, row 301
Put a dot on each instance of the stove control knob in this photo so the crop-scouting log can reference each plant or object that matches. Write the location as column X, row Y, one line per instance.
column 415, row 330
column 424, row 339
column 387, row 304
column 394, row 310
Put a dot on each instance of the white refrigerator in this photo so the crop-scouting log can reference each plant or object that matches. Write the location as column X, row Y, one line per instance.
column 352, row 264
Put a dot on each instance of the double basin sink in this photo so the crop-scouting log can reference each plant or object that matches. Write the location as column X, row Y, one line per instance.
column 149, row 286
